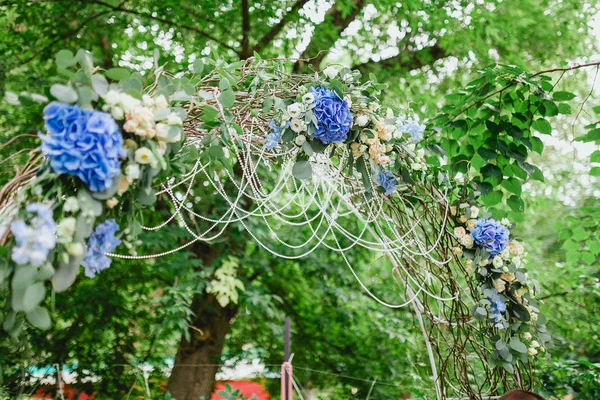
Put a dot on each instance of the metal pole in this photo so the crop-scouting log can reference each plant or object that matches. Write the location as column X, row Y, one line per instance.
column 286, row 367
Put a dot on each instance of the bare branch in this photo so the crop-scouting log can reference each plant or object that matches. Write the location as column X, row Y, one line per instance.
column 163, row 20
column 408, row 60
column 269, row 36
column 329, row 31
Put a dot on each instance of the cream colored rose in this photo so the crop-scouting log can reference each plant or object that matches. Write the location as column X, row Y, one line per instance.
column 500, row 285
column 112, row 202
column 459, row 231
column 161, row 102
column 467, row 241
column 471, row 224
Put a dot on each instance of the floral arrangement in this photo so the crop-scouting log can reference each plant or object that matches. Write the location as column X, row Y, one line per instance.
column 498, row 264
column 334, row 112
column 104, row 145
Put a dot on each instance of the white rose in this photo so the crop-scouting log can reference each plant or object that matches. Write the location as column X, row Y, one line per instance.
column 144, row 155
column 147, row 100
column 330, row 72
column 297, row 125
column 117, row 113
column 526, row 336
column 362, row 120
column 459, row 231
column 467, row 241
column 300, row 139
column 531, row 351
column 348, row 100
column 74, row 249
column 308, row 98
column 474, row 212
column 112, row 97
column 457, row 251
column 132, row 172
column 174, row 119
column 497, row 261
column 66, row 229
column 471, row 224
column 535, row 344
column 71, row 204
column 420, row 153
column 295, row 110
column 161, row 102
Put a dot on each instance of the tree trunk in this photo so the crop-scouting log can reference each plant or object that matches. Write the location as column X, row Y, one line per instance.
column 196, row 362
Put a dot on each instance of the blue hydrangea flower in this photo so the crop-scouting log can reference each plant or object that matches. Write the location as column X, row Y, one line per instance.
column 412, row 127
column 333, row 116
column 36, row 240
column 102, row 241
column 83, row 143
column 386, row 180
column 491, row 235
column 497, row 306
column 274, row 137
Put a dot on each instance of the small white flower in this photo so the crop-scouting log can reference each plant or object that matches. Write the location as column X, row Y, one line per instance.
column 128, row 102
column 117, row 113
column 112, row 202
column 295, row 110
column 526, row 336
column 483, row 263
column 174, row 119
column 500, row 285
column 497, row 262
column 516, row 261
column 531, row 351
column 505, row 269
column 348, row 78
column 348, row 100
column 132, row 172
column 147, row 100
column 112, row 97
column 71, row 204
column 308, row 98
column 66, row 229
column 74, row 249
column 420, row 153
column 362, row 120
column 457, row 251
column 297, row 125
column 300, row 139
column 330, row 72
column 162, row 132
column 474, row 212
column 535, row 344
column 469, row 266
column 144, row 155
column 505, row 222
column 389, row 113
column 161, row 148
column 411, row 146
column 161, row 102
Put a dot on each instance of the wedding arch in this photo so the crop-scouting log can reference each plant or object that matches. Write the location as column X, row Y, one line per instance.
column 315, row 154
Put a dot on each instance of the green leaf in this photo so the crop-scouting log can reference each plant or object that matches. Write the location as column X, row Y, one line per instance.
column 516, row 203
column 492, row 198
column 224, row 84
column 570, row 245
column 198, row 66
column 537, row 145
column 33, row 296
column 587, row 257
column 39, row 317
column 65, row 59
column 513, row 185
column 63, row 93
column 307, row 148
column 302, row 169
column 85, row 95
column 542, row 126
column 100, row 84
column 564, row 108
column 491, row 170
column 118, row 74
column 563, row 96
column 580, row 234
column 595, row 171
column 517, row 345
column 573, row 256
column 595, row 157
column 227, row 98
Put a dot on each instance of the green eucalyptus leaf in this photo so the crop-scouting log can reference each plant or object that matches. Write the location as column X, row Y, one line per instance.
column 63, row 93
column 100, row 84
column 302, row 169
column 118, row 74
column 34, row 294
column 39, row 317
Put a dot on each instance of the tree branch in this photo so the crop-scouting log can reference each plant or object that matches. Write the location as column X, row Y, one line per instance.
column 408, row 61
column 269, row 36
column 245, row 53
column 163, row 20
column 330, row 30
